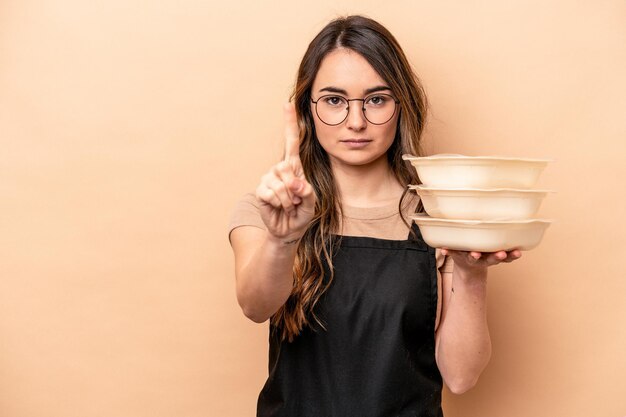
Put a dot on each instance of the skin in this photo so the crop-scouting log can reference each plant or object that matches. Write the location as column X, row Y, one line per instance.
column 264, row 258
column 362, row 174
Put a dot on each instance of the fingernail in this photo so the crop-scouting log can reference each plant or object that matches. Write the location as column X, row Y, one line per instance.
column 298, row 184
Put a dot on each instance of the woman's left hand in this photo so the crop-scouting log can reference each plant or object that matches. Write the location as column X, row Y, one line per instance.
column 469, row 261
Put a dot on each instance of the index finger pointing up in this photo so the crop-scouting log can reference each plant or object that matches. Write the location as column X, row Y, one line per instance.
column 292, row 132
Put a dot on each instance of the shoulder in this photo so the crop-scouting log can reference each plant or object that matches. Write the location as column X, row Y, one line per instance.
column 409, row 207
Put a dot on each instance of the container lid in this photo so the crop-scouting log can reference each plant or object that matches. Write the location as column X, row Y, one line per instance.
column 424, row 218
column 480, row 190
column 450, row 156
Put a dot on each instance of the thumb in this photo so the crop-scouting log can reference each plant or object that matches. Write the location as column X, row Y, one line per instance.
column 296, row 186
column 303, row 190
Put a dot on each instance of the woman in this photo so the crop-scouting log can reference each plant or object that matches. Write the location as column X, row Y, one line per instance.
column 365, row 318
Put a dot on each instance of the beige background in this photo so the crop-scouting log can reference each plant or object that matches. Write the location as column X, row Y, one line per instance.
column 128, row 129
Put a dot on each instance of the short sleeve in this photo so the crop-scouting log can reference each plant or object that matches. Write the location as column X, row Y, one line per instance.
column 445, row 264
column 246, row 213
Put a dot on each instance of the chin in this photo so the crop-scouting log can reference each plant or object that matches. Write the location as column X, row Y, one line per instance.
column 358, row 158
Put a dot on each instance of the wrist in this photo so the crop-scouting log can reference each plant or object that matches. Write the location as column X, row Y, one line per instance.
column 473, row 276
column 281, row 241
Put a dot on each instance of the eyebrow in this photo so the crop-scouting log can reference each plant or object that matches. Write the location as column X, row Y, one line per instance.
column 337, row 90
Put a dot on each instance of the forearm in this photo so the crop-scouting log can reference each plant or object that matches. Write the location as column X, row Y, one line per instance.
column 463, row 342
column 266, row 281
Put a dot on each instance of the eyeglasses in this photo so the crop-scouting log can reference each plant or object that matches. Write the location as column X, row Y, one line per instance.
column 378, row 109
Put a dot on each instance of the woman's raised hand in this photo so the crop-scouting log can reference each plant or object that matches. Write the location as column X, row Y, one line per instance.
column 287, row 200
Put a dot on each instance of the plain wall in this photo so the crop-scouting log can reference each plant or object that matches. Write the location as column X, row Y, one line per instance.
column 129, row 128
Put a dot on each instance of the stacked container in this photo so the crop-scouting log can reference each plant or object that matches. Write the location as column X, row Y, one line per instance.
column 482, row 204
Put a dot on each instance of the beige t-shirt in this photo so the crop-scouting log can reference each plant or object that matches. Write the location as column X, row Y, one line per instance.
column 382, row 222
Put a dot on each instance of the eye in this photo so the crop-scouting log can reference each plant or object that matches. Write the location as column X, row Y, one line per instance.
column 334, row 101
column 378, row 100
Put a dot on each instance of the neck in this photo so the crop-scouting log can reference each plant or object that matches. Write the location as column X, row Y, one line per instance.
column 368, row 185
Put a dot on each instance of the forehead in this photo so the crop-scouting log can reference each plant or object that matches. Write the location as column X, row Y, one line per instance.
column 348, row 70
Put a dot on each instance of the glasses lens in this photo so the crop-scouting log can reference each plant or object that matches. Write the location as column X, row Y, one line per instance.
column 332, row 110
column 379, row 108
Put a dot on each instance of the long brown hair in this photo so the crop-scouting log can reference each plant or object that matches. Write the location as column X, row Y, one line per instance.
column 378, row 46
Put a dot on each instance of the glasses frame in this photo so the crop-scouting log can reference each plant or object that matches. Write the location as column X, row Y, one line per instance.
column 363, row 100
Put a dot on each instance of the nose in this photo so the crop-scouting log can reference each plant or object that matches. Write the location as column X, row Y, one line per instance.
column 356, row 119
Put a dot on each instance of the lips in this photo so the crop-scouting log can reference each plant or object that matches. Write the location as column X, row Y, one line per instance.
column 356, row 140
column 354, row 143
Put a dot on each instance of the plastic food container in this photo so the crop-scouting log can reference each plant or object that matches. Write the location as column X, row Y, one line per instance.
column 480, row 204
column 459, row 171
column 481, row 236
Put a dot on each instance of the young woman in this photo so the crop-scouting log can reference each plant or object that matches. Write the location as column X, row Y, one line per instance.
column 365, row 318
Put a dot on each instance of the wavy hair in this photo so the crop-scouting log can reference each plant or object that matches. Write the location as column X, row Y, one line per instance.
column 313, row 266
